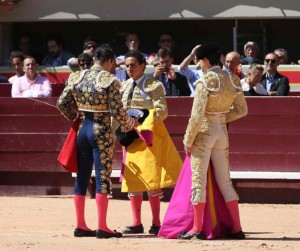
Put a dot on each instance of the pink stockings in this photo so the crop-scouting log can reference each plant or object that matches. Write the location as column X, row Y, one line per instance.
column 155, row 209
column 198, row 216
column 79, row 201
column 102, row 205
column 136, row 205
column 233, row 209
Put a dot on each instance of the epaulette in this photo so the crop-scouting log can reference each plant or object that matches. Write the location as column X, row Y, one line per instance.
column 105, row 79
column 151, row 84
column 124, row 85
column 76, row 77
column 211, row 81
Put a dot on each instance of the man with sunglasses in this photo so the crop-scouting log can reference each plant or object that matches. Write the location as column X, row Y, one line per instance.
column 89, row 46
column 85, row 61
column 275, row 83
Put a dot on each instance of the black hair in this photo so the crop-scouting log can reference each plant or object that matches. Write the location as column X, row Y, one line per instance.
column 16, row 54
column 163, row 52
column 57, row 38
column 88, row 39
column 136, row 54
column 104, row 53
column 85, row 57
column 211, row 51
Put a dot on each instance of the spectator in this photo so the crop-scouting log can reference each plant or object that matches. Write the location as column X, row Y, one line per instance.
column 191, row 75
column 89, row 46
column 275, row 83
column 175, row 83
column 233, row 63
column 57, row 56
column 26, row 46
column 85, row 61
column 163, row 162
column 132, row 43
column 251, row 84
column 251, row 51
column 166, row 40
column 16, row 61
column 31, row 84
column 282, row 55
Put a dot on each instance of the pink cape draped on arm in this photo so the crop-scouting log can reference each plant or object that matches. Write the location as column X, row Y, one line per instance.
column 179, row 216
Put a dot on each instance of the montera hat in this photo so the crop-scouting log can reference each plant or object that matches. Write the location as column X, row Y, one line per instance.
column 126, row 138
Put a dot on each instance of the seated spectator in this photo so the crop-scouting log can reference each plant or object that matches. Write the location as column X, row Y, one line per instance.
column 175, row 83
column 31, row 85
column 251, row 51
column 132, row 43
column 282, row 55
column 166, row 40
column 251, row 84
column 191, row 75
column 233, row 63
column 16, row 61
column 89, row 46
column 275, row 83
column 57, row 56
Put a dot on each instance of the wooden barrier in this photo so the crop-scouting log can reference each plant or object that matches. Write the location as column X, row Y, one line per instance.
column 264, row 146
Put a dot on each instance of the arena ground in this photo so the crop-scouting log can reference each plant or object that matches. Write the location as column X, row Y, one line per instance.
column 47, row 224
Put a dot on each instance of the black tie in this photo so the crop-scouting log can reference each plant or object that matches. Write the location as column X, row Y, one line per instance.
column 131, row 91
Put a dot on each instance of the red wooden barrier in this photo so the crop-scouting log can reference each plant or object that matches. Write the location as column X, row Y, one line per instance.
column 267, row 139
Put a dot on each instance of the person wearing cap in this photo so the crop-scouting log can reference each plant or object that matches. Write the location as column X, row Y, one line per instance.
column 251, row 51
column 219, row 99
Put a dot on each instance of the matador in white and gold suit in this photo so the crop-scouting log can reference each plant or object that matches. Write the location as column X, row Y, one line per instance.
column 219, row 99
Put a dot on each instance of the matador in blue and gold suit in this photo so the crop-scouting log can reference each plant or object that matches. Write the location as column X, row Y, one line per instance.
column 96, row 93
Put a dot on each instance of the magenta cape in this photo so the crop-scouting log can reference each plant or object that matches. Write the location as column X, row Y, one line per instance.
column 179, row 215
column 68, row 154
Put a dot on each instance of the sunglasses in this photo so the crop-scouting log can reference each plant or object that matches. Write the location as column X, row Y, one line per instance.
column 165, row 40
column 273, row 61
column 91, row 46
column 85, row 64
